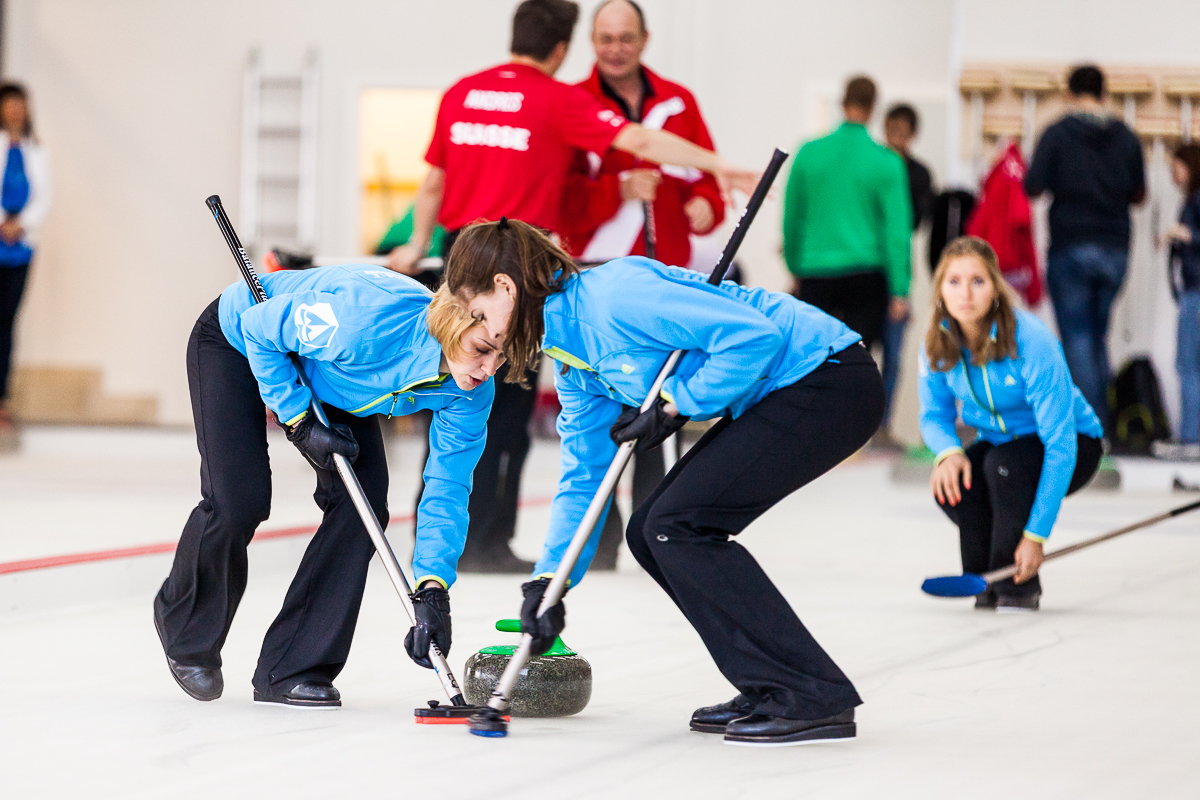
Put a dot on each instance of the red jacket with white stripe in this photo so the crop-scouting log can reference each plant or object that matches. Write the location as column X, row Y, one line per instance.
column 597, row 224
column 1004, row 220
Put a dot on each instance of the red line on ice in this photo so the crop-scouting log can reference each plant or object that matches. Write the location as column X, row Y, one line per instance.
column 169, row 547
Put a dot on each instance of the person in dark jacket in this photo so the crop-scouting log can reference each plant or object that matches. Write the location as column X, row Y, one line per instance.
column 1092, row 165
column 900, row 127
column 1184, row 239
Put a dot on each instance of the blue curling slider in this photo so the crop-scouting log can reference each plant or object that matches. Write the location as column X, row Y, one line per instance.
column 967, row 585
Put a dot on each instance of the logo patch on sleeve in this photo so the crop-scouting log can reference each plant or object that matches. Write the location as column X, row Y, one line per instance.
column 627, row 368
column 315, row 325
column 1009, row 380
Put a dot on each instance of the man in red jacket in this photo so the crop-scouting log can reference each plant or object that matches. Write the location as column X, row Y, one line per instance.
column 502, row 145
column 617, row 204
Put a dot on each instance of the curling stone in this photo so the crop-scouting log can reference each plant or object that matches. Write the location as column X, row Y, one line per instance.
column 555, row 684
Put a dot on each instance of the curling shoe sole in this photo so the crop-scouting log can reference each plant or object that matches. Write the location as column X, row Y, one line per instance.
column 764, row 731
column 306, row 694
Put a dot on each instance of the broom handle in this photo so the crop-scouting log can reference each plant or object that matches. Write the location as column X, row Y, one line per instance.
column 390, row 563
column 1007, row 572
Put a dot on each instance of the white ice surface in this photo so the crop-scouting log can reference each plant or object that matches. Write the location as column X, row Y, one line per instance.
column 1094, row 697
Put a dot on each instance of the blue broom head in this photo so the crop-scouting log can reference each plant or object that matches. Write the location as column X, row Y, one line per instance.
column 967, row 585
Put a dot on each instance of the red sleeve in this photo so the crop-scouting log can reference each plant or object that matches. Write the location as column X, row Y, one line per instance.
column 707, row 186
column 436, row 154
column 583, row 122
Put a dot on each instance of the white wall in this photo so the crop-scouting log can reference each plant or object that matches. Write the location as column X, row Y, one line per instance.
column 139, row 103
column 1112, row 33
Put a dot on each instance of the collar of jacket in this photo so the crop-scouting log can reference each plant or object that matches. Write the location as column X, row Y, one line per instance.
column 595, row 84
column 428, row 353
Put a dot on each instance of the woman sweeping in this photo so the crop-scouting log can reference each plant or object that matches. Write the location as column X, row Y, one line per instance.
column 371, row 342
column 1039, row 440
column 794, row 394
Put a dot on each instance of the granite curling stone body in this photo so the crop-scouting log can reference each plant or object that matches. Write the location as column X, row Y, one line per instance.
column 555, row 684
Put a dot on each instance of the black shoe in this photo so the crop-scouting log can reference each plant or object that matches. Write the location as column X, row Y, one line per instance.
column 497, row 561
column 760, row 730
column 985, row 600
column 713, row 719
column 1018, row 603
column 306, row 694
column 202, row 683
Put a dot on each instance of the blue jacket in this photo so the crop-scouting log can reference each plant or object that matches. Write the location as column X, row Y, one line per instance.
column 1029, row 395
column 362, row 334
column 612, row 329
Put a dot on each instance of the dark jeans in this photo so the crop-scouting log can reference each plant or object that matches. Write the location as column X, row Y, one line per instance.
column 859, row 300
column 310, row 638
column 1084, row 280
column 1187, row 363
column 740, row 468
column 12, row 287
column 992, row 514
column 497, row 482
column 893, row 355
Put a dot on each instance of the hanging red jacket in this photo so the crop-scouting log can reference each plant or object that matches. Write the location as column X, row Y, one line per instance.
column 1003, row 219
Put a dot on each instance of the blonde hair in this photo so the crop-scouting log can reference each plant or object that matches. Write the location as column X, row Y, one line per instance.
column 943, row 342
column 447, row 322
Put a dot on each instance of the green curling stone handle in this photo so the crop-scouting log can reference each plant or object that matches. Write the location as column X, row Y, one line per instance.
column 559, row 648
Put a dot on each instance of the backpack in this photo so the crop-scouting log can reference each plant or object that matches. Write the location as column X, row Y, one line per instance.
column 1139, row 416
column 951, row 209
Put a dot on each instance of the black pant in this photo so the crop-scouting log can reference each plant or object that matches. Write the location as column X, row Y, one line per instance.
column 992, row 514
column 12, row 287
column 648, row 471
column 497, row 482
column 310, row 638
column 739, row 469
column 859, row 300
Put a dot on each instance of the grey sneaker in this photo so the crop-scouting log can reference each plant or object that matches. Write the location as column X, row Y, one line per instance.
column 985, row 600
column 1018, row 603
column 1176, row 451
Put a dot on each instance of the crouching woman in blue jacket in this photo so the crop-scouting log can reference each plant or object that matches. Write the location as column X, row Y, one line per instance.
column 1039, row 440
column 371, row 342
column 794, row 393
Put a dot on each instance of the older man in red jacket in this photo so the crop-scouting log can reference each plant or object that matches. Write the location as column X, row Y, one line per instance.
column 615, row 204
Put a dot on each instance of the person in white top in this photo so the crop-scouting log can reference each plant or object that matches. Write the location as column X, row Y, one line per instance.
column 25, row 199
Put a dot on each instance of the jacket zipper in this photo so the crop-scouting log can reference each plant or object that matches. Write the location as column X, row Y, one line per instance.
column 395, row 395
column 987, row 387
column 563, row 357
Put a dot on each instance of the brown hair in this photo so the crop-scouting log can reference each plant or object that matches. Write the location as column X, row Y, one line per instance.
column 943, row 342
column 539, row 25
column 860, row 93
column 537, row 266
column 1189, row 154
column 447, row 322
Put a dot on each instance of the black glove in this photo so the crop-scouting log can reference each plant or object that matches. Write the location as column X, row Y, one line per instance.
column 650, row 428
column 319, row 444
column 546, row 628
column 432, row 609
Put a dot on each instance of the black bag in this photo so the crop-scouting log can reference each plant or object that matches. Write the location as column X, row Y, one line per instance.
column 951, row 210
column 1139, row 416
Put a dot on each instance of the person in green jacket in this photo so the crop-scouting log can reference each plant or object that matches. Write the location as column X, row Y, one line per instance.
column 847, row 219
column 399, row 232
